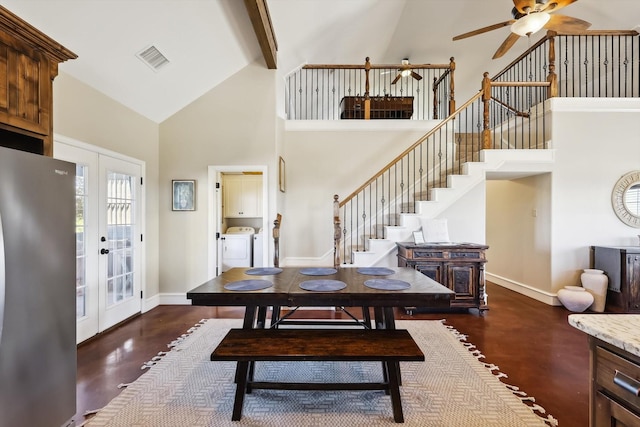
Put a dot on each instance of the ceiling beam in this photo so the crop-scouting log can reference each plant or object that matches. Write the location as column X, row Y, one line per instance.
column 261, row 21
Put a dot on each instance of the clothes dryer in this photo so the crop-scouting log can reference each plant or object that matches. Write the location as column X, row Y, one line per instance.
column 237, row 247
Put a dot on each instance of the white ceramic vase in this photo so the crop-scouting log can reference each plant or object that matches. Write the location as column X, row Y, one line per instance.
column 575, row 298
column 596, row 283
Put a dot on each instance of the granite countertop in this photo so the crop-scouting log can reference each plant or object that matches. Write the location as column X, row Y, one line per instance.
column 620, row 330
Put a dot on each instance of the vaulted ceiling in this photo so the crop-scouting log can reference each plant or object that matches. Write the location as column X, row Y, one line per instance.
column 207, row 41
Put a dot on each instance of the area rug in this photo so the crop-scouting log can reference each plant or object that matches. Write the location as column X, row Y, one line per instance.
column 452, row 388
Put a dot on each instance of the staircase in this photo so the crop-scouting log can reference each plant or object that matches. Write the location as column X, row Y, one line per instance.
column 493, row 164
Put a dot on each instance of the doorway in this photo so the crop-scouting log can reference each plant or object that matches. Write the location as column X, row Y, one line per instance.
column 216, row 217
column 109, row 224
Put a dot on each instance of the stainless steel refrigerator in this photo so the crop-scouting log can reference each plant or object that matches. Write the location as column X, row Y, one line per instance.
column 37, row 291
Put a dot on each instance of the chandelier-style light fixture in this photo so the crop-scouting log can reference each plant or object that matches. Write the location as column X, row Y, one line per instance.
column 530, row 23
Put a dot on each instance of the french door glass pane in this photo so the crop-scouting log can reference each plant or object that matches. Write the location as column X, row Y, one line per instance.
column 120, row 231
column 81, row 235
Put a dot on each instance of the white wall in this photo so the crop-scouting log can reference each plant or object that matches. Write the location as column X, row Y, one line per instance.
column 466, row 217
column 327, row 161
column 233, row 124
column 596, row 142
column 84, row 114
column 519, row 234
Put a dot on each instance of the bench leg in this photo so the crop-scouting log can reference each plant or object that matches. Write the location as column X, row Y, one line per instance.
column 392, row 369
column 241, row 375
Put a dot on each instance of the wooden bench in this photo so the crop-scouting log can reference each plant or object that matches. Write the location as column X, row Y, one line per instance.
column 353, row 345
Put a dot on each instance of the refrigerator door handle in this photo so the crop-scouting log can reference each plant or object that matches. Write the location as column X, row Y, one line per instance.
column 2, row 279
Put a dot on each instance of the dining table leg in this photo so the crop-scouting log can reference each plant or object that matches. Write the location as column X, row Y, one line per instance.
column 247, row 323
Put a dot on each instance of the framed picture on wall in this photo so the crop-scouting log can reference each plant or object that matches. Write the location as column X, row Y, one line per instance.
column 281, row 174
column 184, row 194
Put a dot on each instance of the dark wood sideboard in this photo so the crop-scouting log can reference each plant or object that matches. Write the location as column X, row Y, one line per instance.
column 386, row 107
column 458, row 266
column 621, row 264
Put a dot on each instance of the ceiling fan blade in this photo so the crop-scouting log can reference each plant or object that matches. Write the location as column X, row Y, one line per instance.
column 566, row 24
column 506, row 45
column 416, row 75
column 484, row 29
column 396, row 79
column 553, row 5
column 523, row 5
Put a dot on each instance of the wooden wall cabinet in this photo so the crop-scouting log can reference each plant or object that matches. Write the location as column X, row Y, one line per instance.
column 458, row 266
column 621, row 264
column 28, row 64
column 242, row 195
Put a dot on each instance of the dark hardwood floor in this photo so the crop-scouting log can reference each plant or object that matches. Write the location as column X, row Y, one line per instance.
column 531, row 342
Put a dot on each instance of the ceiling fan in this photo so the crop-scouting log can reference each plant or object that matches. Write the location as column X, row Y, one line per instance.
column 406, row 71
column 530, row 16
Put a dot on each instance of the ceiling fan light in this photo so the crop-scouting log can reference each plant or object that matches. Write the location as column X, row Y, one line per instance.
column 405, row 73
column 530, row 23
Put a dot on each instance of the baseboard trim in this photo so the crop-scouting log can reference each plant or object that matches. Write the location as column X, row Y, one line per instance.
column 174, row 299
column 521, row 288
column 150, row 303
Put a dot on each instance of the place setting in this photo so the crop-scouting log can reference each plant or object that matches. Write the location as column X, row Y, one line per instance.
column 248, row 285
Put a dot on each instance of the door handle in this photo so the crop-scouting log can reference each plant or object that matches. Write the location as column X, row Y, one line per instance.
column 104, row 251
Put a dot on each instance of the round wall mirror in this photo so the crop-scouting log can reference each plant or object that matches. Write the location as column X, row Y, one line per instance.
column 625, row 199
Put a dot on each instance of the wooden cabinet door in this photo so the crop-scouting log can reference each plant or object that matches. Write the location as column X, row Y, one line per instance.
column 609, row 413
column 242, row 196
column 433, row 271
column 461, row 278
column 25, row 87
column 252, row 196
column 232, row 188
column 633, row 282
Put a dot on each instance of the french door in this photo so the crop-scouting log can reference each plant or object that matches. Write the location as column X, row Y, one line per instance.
column 108, row 238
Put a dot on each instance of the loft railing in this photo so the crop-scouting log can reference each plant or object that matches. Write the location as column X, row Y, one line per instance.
column 392, row 91
column 589, row 64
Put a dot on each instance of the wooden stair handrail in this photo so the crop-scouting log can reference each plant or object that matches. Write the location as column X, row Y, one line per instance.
column 551, row 34
column 411, row 148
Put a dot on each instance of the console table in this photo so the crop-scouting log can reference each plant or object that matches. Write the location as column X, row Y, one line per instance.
column 458, row 266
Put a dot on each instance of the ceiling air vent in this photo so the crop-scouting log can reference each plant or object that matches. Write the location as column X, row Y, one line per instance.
column 153, row 58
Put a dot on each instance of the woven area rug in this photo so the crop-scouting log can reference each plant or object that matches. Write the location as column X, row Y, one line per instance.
column 453, row 388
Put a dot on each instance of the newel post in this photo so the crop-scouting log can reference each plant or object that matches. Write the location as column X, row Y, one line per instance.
column 367, row 99
column 552, row 78
column 486, row 97
column 276, row 241
column 337, row 232
column 452, row 86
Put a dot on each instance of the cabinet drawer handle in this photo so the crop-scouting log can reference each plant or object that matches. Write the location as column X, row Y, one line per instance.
column 627, row 383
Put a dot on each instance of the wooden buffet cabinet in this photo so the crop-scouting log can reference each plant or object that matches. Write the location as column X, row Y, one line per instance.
column 28, row 64
column 458, row 266
column 621, row 264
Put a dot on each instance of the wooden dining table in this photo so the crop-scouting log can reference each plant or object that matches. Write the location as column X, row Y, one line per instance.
column 287, row 287
column 378, row 288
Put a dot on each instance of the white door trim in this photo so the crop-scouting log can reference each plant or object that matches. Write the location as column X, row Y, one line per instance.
column 143, row 229
column 214, row 214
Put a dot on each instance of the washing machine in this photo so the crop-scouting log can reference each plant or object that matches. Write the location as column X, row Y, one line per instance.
column 237, row 247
